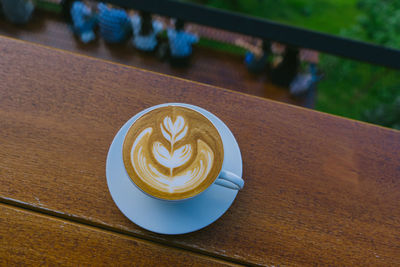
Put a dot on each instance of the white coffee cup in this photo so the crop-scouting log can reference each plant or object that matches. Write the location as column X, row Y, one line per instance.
column 225, row 178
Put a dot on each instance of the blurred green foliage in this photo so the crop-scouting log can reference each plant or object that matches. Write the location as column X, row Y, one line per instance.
column 379, row 22
column 372, row 92
column 323, row 15
column 351, row 89
column 48, row 6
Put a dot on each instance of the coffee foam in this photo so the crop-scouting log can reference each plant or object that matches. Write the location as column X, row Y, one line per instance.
column 173, row 152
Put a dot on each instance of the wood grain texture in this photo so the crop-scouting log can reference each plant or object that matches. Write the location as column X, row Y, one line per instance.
column 29, row 238
column 208, row 66
column 319, row 189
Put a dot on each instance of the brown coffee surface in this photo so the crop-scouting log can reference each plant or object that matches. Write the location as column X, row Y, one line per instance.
column 173, row 152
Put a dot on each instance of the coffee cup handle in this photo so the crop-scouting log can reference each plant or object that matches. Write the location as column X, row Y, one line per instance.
column 230, row 180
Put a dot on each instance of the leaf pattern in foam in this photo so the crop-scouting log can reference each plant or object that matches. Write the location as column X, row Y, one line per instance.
column 171, row 160
column 182, row 155
column 172, row 130
column 165, row 133
column 181, row 135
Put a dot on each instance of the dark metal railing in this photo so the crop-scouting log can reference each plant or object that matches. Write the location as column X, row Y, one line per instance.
column 266, row 29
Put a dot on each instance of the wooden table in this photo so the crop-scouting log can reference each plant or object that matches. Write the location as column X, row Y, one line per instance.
column 320, row 189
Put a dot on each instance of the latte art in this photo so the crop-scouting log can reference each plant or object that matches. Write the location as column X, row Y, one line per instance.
column 173, row 152
column 173, row 132
column 171, row 158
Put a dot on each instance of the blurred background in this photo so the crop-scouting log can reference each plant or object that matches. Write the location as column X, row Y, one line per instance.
column 349, row 88
column 248, row 62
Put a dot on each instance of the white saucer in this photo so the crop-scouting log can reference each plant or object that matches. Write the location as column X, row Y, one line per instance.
column 171, row 217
